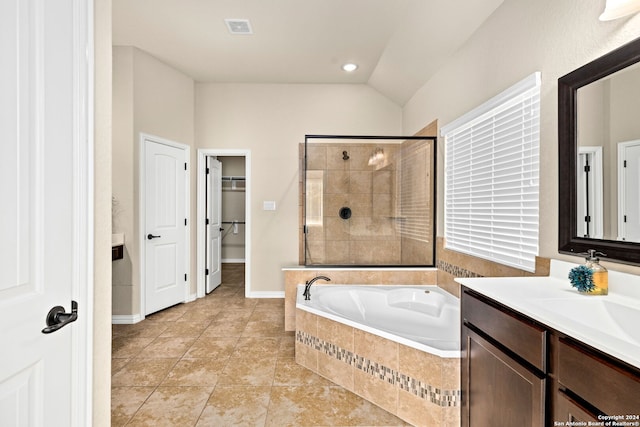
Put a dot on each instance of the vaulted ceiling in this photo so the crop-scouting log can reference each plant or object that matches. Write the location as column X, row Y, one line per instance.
column 397, row 44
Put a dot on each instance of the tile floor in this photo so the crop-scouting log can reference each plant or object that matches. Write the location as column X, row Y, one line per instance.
column 224, row 360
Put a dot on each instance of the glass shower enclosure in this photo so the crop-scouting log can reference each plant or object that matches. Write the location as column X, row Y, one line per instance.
column 368, row 200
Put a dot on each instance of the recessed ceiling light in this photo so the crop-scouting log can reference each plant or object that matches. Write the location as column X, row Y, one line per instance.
column 349, row 67
column 239, row 26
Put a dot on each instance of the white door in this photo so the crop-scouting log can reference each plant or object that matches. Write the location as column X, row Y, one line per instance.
column 45, row 189
column 214, row 224
column 589, row 184
column 629, row 191
column 165, row 230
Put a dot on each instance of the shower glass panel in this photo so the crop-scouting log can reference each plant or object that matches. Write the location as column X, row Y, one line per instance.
column 368, row 200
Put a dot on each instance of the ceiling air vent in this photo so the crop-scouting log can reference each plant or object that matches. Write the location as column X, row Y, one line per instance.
column 239, row 26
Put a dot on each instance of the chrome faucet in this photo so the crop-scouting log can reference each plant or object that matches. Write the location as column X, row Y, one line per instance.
column 308, row 283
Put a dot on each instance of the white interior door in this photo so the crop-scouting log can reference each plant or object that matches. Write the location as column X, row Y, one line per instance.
column 214, row 224
column 45, row 187
column 589, row 184
column 165, row 176
column 629, row 191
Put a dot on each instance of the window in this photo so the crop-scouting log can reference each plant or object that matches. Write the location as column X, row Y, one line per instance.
column 492, row 178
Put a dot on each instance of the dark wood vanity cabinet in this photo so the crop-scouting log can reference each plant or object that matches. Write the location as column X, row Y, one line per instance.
column 504, row 362
column 517, row 371
column 588, row 383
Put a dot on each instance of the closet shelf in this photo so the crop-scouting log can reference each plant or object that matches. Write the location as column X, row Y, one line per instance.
column 233, row 183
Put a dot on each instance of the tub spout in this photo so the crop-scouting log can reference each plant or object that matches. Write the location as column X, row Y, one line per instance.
column 308, row 283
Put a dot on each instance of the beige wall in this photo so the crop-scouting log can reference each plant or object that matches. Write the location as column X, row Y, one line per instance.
column 101, row 371
column 271, row 120
column 153, row 98
column 521, row 37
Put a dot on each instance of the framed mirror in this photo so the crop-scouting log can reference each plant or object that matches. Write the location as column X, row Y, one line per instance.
column 598, row 129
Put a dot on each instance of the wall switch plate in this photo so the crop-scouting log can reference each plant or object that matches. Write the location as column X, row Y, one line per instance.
column 269, row 205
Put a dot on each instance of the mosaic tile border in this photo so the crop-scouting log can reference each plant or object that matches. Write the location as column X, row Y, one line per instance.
column 443, row 398
column 455, row 270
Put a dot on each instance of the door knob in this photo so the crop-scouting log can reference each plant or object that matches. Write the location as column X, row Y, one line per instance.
column 57, row 318
column 151, row 236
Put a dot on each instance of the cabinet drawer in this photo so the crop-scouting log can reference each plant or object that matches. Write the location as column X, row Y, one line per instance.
column 602, row 383
column 568, row 409
column 525, row 338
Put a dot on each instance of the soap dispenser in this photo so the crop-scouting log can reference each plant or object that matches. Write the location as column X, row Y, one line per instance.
column 600, row 274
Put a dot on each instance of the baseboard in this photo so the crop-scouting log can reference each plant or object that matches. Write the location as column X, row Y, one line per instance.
column 232, row 260
column 191, row 298
column 259, row 294
column 125, row 319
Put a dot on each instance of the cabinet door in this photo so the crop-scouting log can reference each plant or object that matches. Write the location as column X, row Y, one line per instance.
column 497, row 390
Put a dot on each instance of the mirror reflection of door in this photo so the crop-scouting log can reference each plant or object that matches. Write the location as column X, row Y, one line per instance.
column 629, row 191
column 590, row 196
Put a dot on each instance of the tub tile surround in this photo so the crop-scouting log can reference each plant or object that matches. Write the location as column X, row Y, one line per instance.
column 418, row 387
column 451, row 265
column 415, row 386
column 294, row 276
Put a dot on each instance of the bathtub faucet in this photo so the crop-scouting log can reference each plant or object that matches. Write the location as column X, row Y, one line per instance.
column 308, row 283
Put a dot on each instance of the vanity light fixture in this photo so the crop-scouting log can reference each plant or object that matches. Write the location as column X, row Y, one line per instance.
column 615, row 9
column 350, row 67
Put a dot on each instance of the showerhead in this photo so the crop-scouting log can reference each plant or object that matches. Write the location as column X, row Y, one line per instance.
column 345, row 155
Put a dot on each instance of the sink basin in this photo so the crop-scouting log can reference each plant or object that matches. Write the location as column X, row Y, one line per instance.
column 618, row 320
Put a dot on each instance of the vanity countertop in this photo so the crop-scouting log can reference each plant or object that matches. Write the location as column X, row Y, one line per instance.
column 608, row 323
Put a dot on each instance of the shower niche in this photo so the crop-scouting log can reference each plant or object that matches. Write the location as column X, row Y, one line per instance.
column 368, row 201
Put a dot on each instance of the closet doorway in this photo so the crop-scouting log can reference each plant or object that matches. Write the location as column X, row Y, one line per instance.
column 223, row 228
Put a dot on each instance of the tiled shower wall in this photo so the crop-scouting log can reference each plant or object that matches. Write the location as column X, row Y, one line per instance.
column 370, row 235
column 417, row 202
column 383, row 200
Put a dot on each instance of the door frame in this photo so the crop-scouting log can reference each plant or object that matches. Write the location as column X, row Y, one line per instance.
column 142, row 215
column 82, row 287
column 200, row 216
column 84, row 205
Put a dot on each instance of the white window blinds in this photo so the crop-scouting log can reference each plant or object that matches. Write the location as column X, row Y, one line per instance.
column 492, row 178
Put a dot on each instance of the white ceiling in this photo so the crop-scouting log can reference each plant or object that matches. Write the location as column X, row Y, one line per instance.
column 398, row 44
